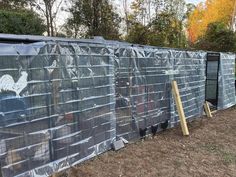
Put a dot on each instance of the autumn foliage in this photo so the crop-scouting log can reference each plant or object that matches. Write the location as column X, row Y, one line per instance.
column 209, row 12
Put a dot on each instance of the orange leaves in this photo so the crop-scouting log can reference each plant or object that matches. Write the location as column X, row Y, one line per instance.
column 195, row 23
column 209, row 12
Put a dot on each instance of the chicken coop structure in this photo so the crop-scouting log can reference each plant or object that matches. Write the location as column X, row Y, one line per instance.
column 63, row 101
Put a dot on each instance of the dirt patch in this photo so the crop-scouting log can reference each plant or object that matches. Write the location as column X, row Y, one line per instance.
column 210, row 150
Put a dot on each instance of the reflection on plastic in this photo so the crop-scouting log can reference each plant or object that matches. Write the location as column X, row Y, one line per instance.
column 65, row 102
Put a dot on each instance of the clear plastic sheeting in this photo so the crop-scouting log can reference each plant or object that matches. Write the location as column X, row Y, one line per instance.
column 63, row 102
column 142, row 89
column 226, row 92
column 189, row 72
column 57, row 106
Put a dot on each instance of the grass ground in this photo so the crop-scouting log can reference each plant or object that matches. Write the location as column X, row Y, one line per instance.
column 209, row 151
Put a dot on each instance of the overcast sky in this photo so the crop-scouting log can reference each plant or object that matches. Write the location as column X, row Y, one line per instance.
column 194, row 1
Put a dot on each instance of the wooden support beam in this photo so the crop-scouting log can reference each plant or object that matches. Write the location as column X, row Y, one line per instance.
column 213, row 112
column 207, row 109
column 180, row 109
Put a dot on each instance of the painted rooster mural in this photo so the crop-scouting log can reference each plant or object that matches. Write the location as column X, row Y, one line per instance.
column 7, row 83
column 12, row 105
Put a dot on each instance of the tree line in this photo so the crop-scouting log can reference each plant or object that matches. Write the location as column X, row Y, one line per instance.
column 164, row 23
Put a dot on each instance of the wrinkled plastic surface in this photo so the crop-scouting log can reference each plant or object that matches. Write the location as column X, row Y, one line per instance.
column 142, row 89
column 189, row 74
column 57, row 106
column 65, row 102
column 226, row 93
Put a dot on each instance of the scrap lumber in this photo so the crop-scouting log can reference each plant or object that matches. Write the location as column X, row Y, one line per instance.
column 180, row 109
column 207, row 110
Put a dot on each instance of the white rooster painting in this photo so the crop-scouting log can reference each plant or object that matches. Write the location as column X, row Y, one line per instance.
column 7, row 83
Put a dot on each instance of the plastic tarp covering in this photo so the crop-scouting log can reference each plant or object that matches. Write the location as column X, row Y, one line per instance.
column 57, row 106
column 226, row 80
column 189, row 72
column 142, row 89
column 65, row 102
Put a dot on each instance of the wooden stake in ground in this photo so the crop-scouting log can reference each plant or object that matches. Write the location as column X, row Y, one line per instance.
column 180, row 109
column 207, row 109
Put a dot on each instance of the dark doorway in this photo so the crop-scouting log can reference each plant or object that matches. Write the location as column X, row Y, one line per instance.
column 212, row 70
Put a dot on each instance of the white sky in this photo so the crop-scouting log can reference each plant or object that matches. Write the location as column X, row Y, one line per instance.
column 194, row 1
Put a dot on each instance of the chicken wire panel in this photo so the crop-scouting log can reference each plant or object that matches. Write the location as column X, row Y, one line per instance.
column 142, row 89
column 189, row 73
column 226, row 80
column 57, row 106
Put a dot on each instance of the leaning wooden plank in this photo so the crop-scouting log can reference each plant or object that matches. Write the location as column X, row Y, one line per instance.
column 180, row 109
column 213, row 112
column 207, row 109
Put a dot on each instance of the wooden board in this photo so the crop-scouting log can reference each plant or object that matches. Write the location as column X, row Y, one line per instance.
column 180, row 109
column 207, row 110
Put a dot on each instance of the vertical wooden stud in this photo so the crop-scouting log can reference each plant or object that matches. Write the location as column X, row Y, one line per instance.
column 180, row 109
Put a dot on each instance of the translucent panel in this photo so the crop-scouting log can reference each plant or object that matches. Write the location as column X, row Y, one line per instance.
column 65, row 102
column 54, row 109
column 226, row 96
